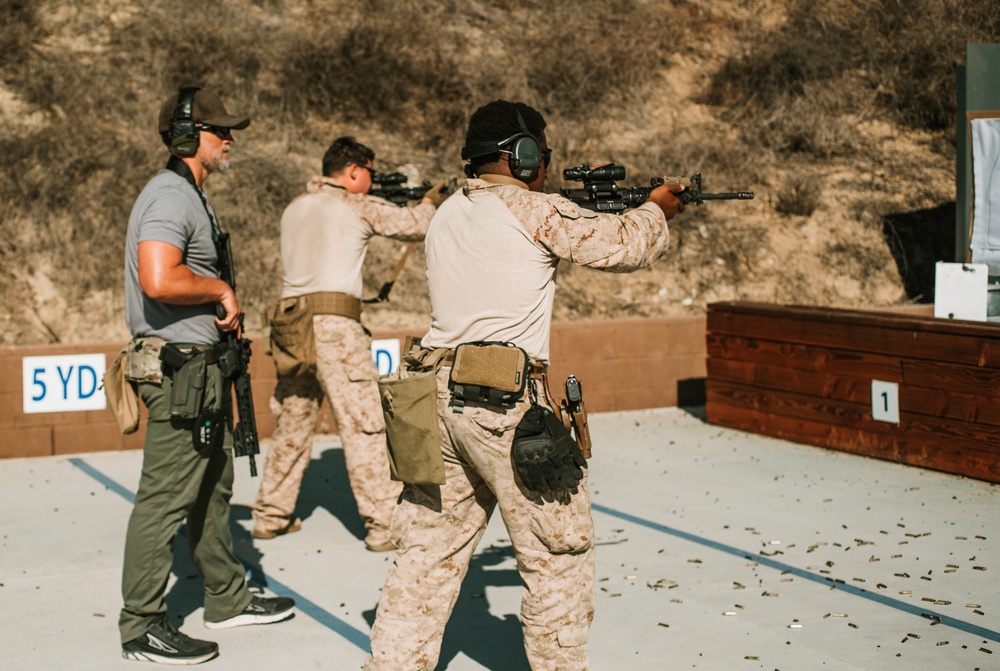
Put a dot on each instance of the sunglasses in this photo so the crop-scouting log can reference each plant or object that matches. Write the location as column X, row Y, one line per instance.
column 217, row 131
column 546, row 156
column 371, row 170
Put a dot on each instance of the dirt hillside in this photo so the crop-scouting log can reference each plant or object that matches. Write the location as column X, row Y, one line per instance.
column 858, row 225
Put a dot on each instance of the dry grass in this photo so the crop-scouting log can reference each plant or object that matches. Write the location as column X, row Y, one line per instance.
column 803, row 86
column 88, row 78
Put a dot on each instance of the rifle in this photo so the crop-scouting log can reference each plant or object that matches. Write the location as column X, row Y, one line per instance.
column 601, row 192
column 234, row 361
column 390, row 187
column 573, row 406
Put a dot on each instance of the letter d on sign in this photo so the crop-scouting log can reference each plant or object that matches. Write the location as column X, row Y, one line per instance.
column 386, row 355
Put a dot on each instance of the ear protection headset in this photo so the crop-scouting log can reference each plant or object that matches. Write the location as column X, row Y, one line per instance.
column 183, row 134
column 524, row 155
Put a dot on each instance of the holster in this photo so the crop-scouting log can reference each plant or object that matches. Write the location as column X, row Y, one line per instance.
column 188, row 379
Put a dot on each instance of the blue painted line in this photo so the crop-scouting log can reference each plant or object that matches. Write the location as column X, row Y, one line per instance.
column 118, row 489
column 304, row 605
column 903, row 606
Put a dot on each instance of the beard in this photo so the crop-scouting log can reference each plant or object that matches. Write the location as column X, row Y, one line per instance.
column 218, row 161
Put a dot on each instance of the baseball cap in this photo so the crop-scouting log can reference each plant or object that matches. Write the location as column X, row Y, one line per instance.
column 207, row 109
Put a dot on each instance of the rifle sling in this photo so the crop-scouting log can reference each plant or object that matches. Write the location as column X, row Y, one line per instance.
column 179, row 167
column 383, row 294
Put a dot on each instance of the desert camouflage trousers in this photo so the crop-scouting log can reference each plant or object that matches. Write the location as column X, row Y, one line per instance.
column 347, row 376
column 437, row 528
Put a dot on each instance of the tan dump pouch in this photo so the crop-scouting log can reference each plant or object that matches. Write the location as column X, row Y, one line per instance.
column 123, row 399
column 291, row 337
column 409, row 404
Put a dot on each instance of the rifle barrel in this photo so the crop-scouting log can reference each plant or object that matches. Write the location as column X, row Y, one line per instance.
column 731, row 195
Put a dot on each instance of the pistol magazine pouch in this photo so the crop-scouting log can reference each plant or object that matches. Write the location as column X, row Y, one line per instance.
column 123, row 399
column 494, row 374
column 409, row 405
column 289, row 337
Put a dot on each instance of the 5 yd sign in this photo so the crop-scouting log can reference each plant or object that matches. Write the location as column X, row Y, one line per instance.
column 65, row 383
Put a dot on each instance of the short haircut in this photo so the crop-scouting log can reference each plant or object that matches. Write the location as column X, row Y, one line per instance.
column 497, row 121
column 343, row 152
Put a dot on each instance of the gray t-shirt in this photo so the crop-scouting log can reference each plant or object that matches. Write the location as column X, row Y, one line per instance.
column 170, row 210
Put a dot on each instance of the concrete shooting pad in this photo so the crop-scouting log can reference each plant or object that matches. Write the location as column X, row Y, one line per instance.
column 717, row 550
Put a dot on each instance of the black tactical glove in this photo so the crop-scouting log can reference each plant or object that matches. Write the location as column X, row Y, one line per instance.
column 544, row 453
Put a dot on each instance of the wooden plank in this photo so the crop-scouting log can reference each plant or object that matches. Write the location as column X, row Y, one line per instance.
column 980, row 437
column 863, row 337
column 810, row 383
column 790, row 355
column 967, row 379
column 893, row 319
column 914, row 400
column 937, row 401
column 912, row 450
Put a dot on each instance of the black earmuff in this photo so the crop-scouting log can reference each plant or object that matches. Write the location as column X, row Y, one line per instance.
column 524, row 153
column 183, row 134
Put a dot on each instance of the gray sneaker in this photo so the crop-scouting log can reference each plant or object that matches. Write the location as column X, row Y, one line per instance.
column 165, row 644
column 260, row 610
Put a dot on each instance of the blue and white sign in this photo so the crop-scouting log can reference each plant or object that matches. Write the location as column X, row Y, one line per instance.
column 66, row 383
column 386, row 355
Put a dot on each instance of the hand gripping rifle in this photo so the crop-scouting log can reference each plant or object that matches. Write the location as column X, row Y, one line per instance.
column 601, row 192
column 234, row 361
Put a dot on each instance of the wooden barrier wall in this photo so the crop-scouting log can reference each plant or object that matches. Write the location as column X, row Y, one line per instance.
column 622, row 365
column 805, row 374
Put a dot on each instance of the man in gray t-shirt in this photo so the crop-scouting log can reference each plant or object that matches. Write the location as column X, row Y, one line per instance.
column 172, row 287
column 169, row 212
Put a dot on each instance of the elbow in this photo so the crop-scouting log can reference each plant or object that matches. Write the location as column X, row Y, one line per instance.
column 154, row 288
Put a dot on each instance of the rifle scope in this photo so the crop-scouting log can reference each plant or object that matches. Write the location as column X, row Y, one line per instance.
column 388, row 178
column 584, row 173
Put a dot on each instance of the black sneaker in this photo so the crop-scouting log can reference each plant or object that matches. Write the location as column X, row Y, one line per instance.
column 164, row 644
column 260, row 610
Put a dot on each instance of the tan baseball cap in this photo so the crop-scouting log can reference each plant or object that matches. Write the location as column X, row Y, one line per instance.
column 207, row 109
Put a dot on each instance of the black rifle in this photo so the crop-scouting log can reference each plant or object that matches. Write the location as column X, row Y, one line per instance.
column 234, row 361
column 601, row 192
column 390, row 187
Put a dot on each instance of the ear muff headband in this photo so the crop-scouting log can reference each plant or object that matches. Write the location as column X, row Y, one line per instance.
column 183, row 134
column 524, row 154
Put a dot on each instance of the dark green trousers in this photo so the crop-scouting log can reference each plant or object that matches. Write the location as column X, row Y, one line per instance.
column 179, row 483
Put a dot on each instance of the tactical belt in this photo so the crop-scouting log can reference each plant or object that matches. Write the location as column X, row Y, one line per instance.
column 211, row 351
column 334, row 303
